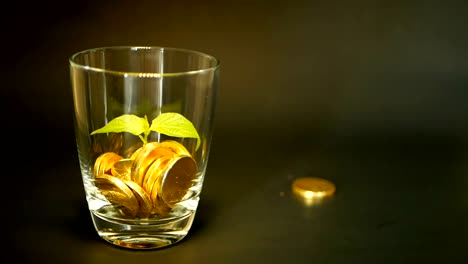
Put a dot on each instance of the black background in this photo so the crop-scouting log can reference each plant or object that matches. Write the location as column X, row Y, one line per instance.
column 369, row 94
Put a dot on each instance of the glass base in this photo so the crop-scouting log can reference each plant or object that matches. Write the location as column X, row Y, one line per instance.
column 143, row 235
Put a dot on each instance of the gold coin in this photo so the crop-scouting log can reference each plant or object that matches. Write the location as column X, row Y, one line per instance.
column 121, row 169
column 98, row 164
column 139, row 157
column 118, row 193
column 177, row 179
column 313, row 188
column 143, row 199
column 136, row 153
column 176, row 147
column 128, row 151
column 104, row 163
column 158, row 204
column 160, row 208
column 156, row 178
column 150, row 152
column 155, row 171
column 108, row 163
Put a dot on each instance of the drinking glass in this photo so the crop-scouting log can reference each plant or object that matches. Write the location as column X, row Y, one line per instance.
column 143, row 121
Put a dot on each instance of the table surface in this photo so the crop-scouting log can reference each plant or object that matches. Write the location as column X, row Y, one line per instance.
column 391, row 206
column 370, row 95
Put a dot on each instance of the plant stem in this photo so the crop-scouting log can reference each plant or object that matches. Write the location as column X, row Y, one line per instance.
column 144, row 139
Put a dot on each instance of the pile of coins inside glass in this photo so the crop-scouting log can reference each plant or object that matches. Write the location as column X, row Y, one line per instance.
column 151, row 181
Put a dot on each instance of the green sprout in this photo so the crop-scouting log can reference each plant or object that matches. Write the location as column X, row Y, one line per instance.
column 171, row 124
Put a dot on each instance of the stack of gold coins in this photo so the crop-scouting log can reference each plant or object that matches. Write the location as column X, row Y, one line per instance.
column 154, row 179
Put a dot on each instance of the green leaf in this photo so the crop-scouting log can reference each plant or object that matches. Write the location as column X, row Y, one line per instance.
column 175, row 125
column 125, row 123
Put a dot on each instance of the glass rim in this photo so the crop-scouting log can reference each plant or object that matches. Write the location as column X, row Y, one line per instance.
column 73, row 63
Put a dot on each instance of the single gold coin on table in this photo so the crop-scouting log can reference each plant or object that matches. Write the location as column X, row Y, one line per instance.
column 313, row 187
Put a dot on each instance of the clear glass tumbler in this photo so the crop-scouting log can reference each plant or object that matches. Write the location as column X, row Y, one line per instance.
column 143, row 124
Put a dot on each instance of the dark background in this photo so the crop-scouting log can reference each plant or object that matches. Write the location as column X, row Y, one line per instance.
column 369, row 94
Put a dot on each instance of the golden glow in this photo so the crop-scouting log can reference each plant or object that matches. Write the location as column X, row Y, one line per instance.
column 311, row 190
column 312, row 195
